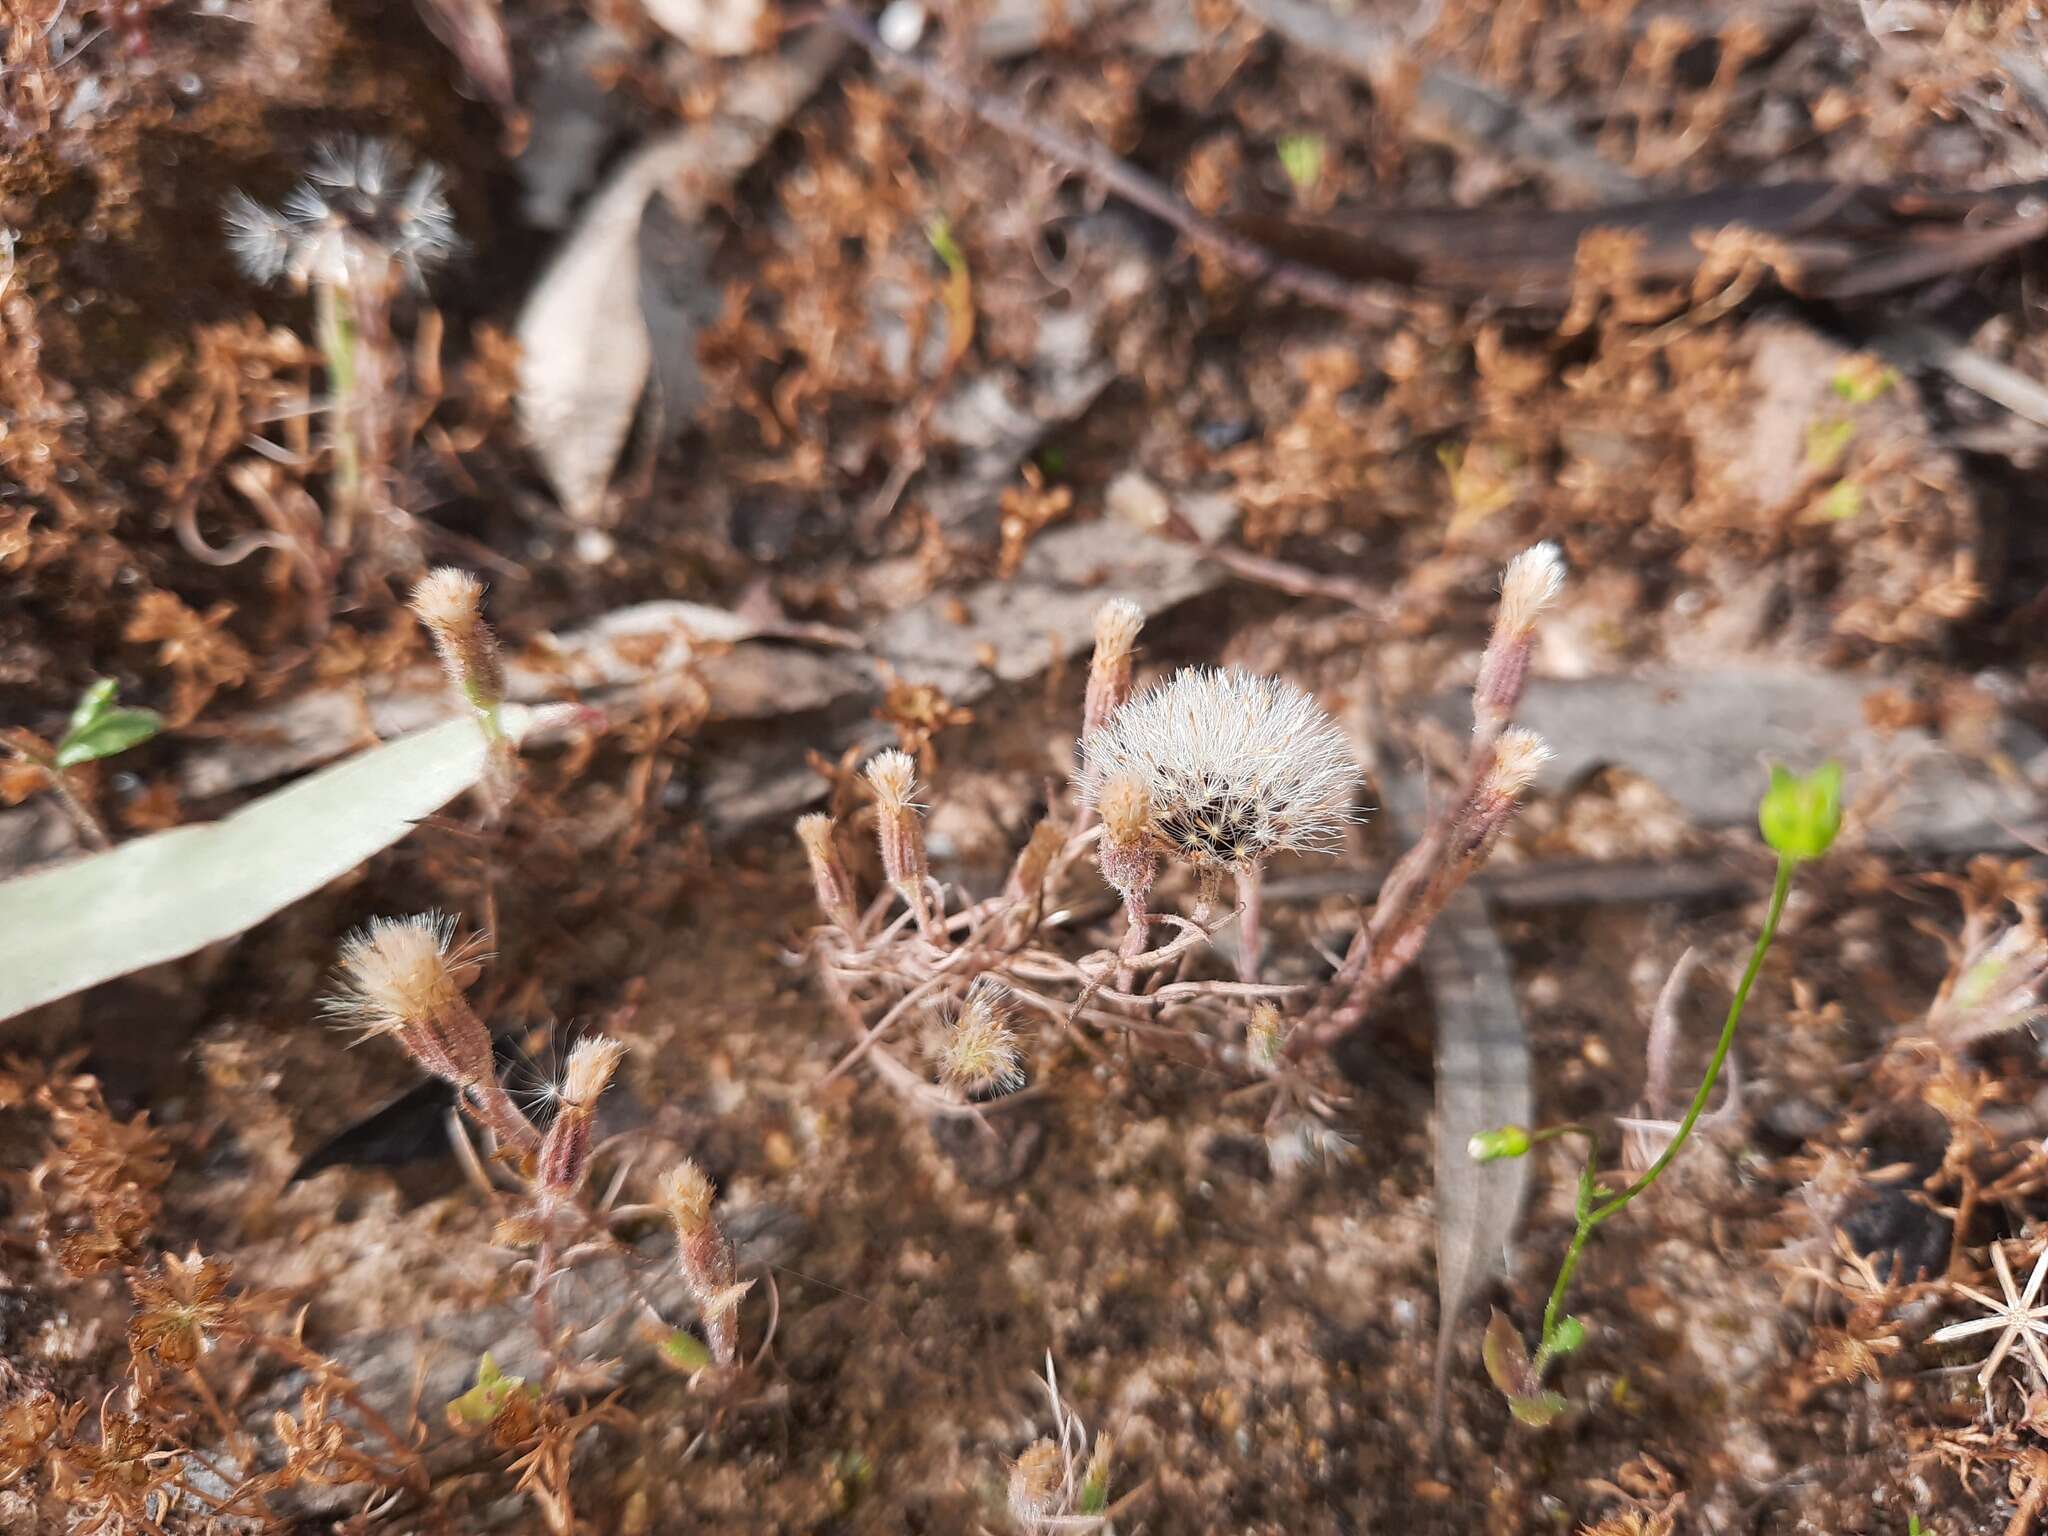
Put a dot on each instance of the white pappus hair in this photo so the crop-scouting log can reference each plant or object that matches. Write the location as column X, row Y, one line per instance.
column 361, row 202
column 1237, row 766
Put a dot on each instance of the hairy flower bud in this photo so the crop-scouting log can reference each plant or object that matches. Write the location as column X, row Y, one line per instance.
column 1518, row 757
column 899, row 828
column 704, row 1258
column 829, row 878
column 1117, row 623
column 1034, row 861
column 1037, row 1479
column 978, row 1053
column 565, row 1150
column 450, row 603
column 1528, row 586
column 1128, row 861
column 404, row 977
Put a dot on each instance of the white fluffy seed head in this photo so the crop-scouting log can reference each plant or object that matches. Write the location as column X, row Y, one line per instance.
column 893, row 777
column 404, row 972
column 978, row 1051
column 1237, row 767
column 357, row 209
column 1529, row 585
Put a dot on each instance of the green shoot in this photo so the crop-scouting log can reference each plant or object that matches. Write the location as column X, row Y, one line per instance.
column 98, row 728
column 1799, row 817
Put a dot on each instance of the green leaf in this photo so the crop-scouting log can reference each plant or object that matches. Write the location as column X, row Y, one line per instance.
column 90, row 706
column 940, row 233
column 1844, row 499
column 1568, row 1335
column 1862, row 379
column 685, row 1351
column 158, row 897
column 479, row 1406
column 111, row 731
column 1826, row 442
column 1800, row 814
column 1301, row 157
column 1538, row 1410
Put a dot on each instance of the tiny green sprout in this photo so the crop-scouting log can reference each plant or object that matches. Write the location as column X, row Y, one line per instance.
column 1826, row 442
column 1801, row 813
column 940, row 233
column 1842, row 501
column 480, row 1405
column 1301, row 157
column 99, row 729
column 1862, row 379
column 685, row 1351
column 1914, row 1527
column 1503, row 1142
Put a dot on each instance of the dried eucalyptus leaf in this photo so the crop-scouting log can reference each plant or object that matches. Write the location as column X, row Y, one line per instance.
column 171, row 893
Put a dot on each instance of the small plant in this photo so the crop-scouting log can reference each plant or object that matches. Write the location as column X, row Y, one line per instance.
column 1799, row 817
column 358, row 230
column 450, row 604
column 1052, row 1486
column 98, row 729
column 1212, row 772
column 404, row 979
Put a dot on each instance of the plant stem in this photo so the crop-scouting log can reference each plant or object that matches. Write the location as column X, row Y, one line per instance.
column 338, row 347
column 1591, row 1215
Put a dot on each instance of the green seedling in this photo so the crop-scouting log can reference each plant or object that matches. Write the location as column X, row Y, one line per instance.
column 1799, row 817
column 98, row 729
column 1302, row 157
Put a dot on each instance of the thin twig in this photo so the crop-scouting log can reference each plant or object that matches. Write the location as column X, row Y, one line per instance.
column 1245, row 257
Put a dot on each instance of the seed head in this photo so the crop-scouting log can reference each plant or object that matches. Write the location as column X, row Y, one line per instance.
column 1528, row 586
column 1236, row 767
column 450, row 603
column 592, row 1061
column 1128, row 857
column 893, row 776
column 834, row 886
column 704, row 1258
column 405, row 977
column 898, row 830
column 356, row 213
column 565, row 1150
column 1518, row 758
column 1038, row 1481
column 978, row 1053
column 1117, row 623
column 401, row 971
column 686, row 1196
